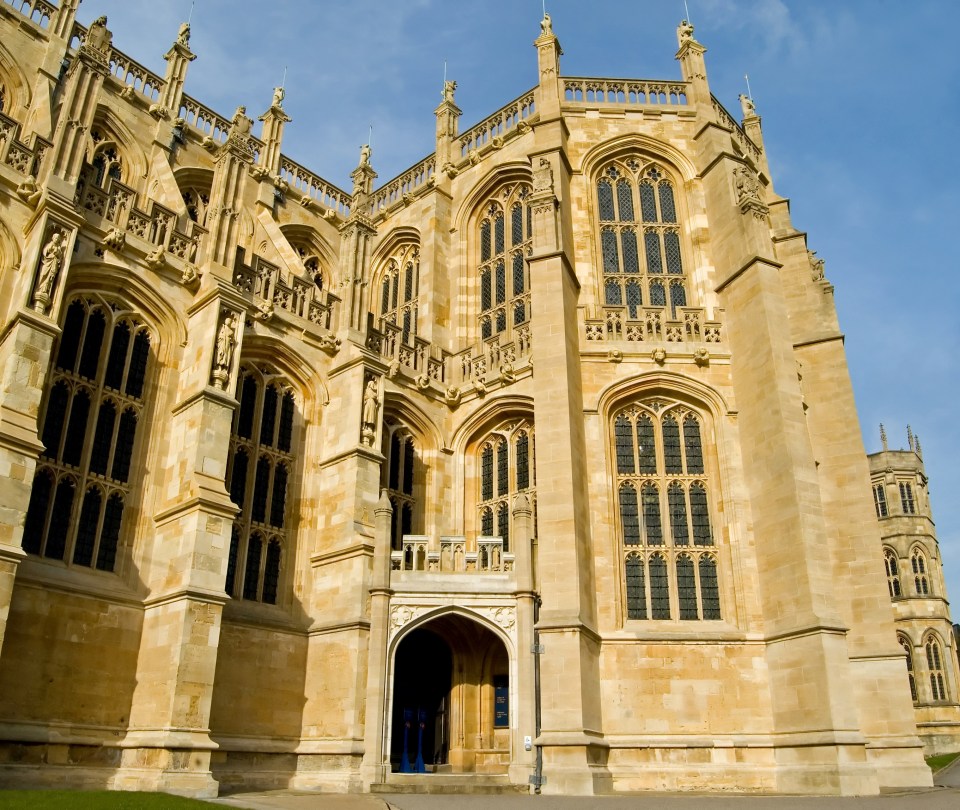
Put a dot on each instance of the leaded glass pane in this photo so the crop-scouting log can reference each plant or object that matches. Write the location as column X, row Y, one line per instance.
column 486, row 294
column 261, row 488
column 671, row 446
column 501, row 321
column 395, row 287
column 503, row 525
column 486, row 328
column 485, row 240
column 677, row 503
column 631, row 261
column 612, row 295
column 406, row 519
column 634, row 299
column 658, row 296
column 636, row 598
column 385, row 296
column 503, row 469
column 651, row 515
column 700, row 516
column 123, row 452
column 248, row 404
column 523, row 461
column 501, row 282
column 486, row 522
column 409, row 457
column 408, row 283
column 92, row 342
column 659, row 588
column 668, row 212
column 629, row 515
column 110, row 533
column 70, row 339
column 278, row 503
column 625, row 201
column 648, row 203
column 37, row 512
column 60, row 520
column 608, row 243
column 103, row 438
column 709, row 588
column 87, row 528
column 76, row 428
column 498, row 237
column 56, row 416
column 645, row 444
column 268, row 418
column 117, row 359
column 605, row 201
column 624, row 440
column 231, row 581
column 486, row 473
column 686, row 588
column 518, row 274
column 238, row 478
column 405, row 328
column 519, row 313
column 671, row 249
column 651, row 243
column 285, row 436
column 271, row 573
column 138, row 364
column 678, row 296
column 692, row 446
column 516, row 225
column 251, row 577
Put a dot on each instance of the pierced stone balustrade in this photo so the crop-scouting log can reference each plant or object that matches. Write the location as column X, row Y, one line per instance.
column 741, row 137
column 136, row 76
column 496, row 358
column 452, row 555
column 652, row 325
column 498, row 124
column 407, row 183
column 579, row 92
column 38, row 11
column 312, row 187
column 204, row 120
column 416, row 355
column 264, row 282
column 21, row 157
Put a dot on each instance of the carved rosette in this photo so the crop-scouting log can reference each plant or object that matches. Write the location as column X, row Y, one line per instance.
column 503, row 616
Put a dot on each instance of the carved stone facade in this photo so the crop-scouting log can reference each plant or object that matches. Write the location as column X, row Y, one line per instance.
column 515, row 440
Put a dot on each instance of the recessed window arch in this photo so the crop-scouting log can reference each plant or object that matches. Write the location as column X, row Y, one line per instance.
column 664, row 507
column 892, row 566
column 880, row 499
column 505, row 465
column 504, row 241
column 907, row 502
column 908, row 652
column 918, row 565
column 399, row 291
column 402, row 476
column 260, row 471
column 94, row 404
column 310, row 258
column 934, row 655
column 639, row 237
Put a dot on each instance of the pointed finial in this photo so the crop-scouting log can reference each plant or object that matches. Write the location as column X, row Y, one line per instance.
column 883, row 436
column 916, row 440
column 910, row 437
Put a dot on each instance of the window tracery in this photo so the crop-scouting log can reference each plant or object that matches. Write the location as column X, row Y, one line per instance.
column 401, row 475
column 505, row 241
column 908, row 651
column 670, row 561
column 938, row 691
column 640, row 237
column 310, row 258
column 399, row 291
column 260, row 468
column 892, row 566
column 506, row 463
column 94, row 404
column 918, row 563
column 906, row 498
column 880, row 499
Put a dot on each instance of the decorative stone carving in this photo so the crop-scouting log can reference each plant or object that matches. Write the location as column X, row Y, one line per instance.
column 223, row 353
column 505, row 617
column 51, row 259
column 452, row 397
column 402, row 615
column 659, row 356
column 189, row 277
column 747, row 107
column 264, row 310
column 747, row 187
column 684, row 31
column 183, row 35
column 543, row 178
column 701, row 357
column 423, row 382
column 330, row 344
column 278, row 96
column 115, row 239
column 449, row 87
column 371, row 407
column 546, row 25
column 615, row 356
column 816, row 266
column 98, row 39
column 156, row 258
column 29, row 192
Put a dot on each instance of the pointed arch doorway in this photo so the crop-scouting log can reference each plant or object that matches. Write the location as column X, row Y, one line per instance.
column 451, row 711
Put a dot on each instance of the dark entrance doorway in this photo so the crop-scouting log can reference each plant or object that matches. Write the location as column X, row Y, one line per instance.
column 421, row 693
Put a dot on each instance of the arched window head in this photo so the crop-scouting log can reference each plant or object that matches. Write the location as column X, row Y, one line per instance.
column 93, row 406
column 892, row 566
column 402, row 477
column 505, row 463
column 907, row 502
column 260, row 472
column 908, row 652
column 503, row 244
column 918, row 563
column 309, row 257
column 664, row 503
column 104, row 161
column 399, row 292
column 934, row 654
column 640, row 238
column 880, row 499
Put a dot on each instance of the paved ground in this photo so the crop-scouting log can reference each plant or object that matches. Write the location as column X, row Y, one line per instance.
column 946, row 796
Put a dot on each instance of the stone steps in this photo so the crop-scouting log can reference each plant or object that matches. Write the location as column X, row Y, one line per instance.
column 464, row 783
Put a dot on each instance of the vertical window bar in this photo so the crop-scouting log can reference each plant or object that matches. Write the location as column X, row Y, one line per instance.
column 686, row 588
column 629, row 515
column 605, row 201
column 671, row 446
column 625, row 201
column 709, row 588
column 677, row 503
column 652, row 524
column 668, row 211
column 651, row 243
column 693, row 448
column 648, row 205
column 659, row 588
column 624, row 441
column 636, row 596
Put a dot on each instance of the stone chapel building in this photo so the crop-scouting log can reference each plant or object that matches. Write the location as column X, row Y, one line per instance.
column 537, row 466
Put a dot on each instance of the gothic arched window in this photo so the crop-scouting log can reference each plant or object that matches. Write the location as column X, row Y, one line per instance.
column 399, row 290
column 908, row 651
column 259, row 473
column 670, row 567
column 94, row 404
column 906, row 498
column 639, row 238
column 504, row 245
column 918, row 563
column 938, row 691
column 880, row 499
column 401, row 478
column 892, row 566
column 506, row 466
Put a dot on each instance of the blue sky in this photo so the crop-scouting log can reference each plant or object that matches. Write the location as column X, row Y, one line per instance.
column 859, row 106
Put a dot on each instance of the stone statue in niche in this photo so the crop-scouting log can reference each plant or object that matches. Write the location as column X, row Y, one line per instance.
column 747, row 107
column 183, row 35
column 51, row 260
column 223, row 355
column 371, row 406
column 543, row 178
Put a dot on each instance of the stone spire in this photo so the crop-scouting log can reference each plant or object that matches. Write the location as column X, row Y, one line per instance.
column 693, row 66
column 883, row 437
column 272, row 135
column 910, row 441
column 548, row 62
column 448, row 123
column 178, row 58
column 363, row 177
